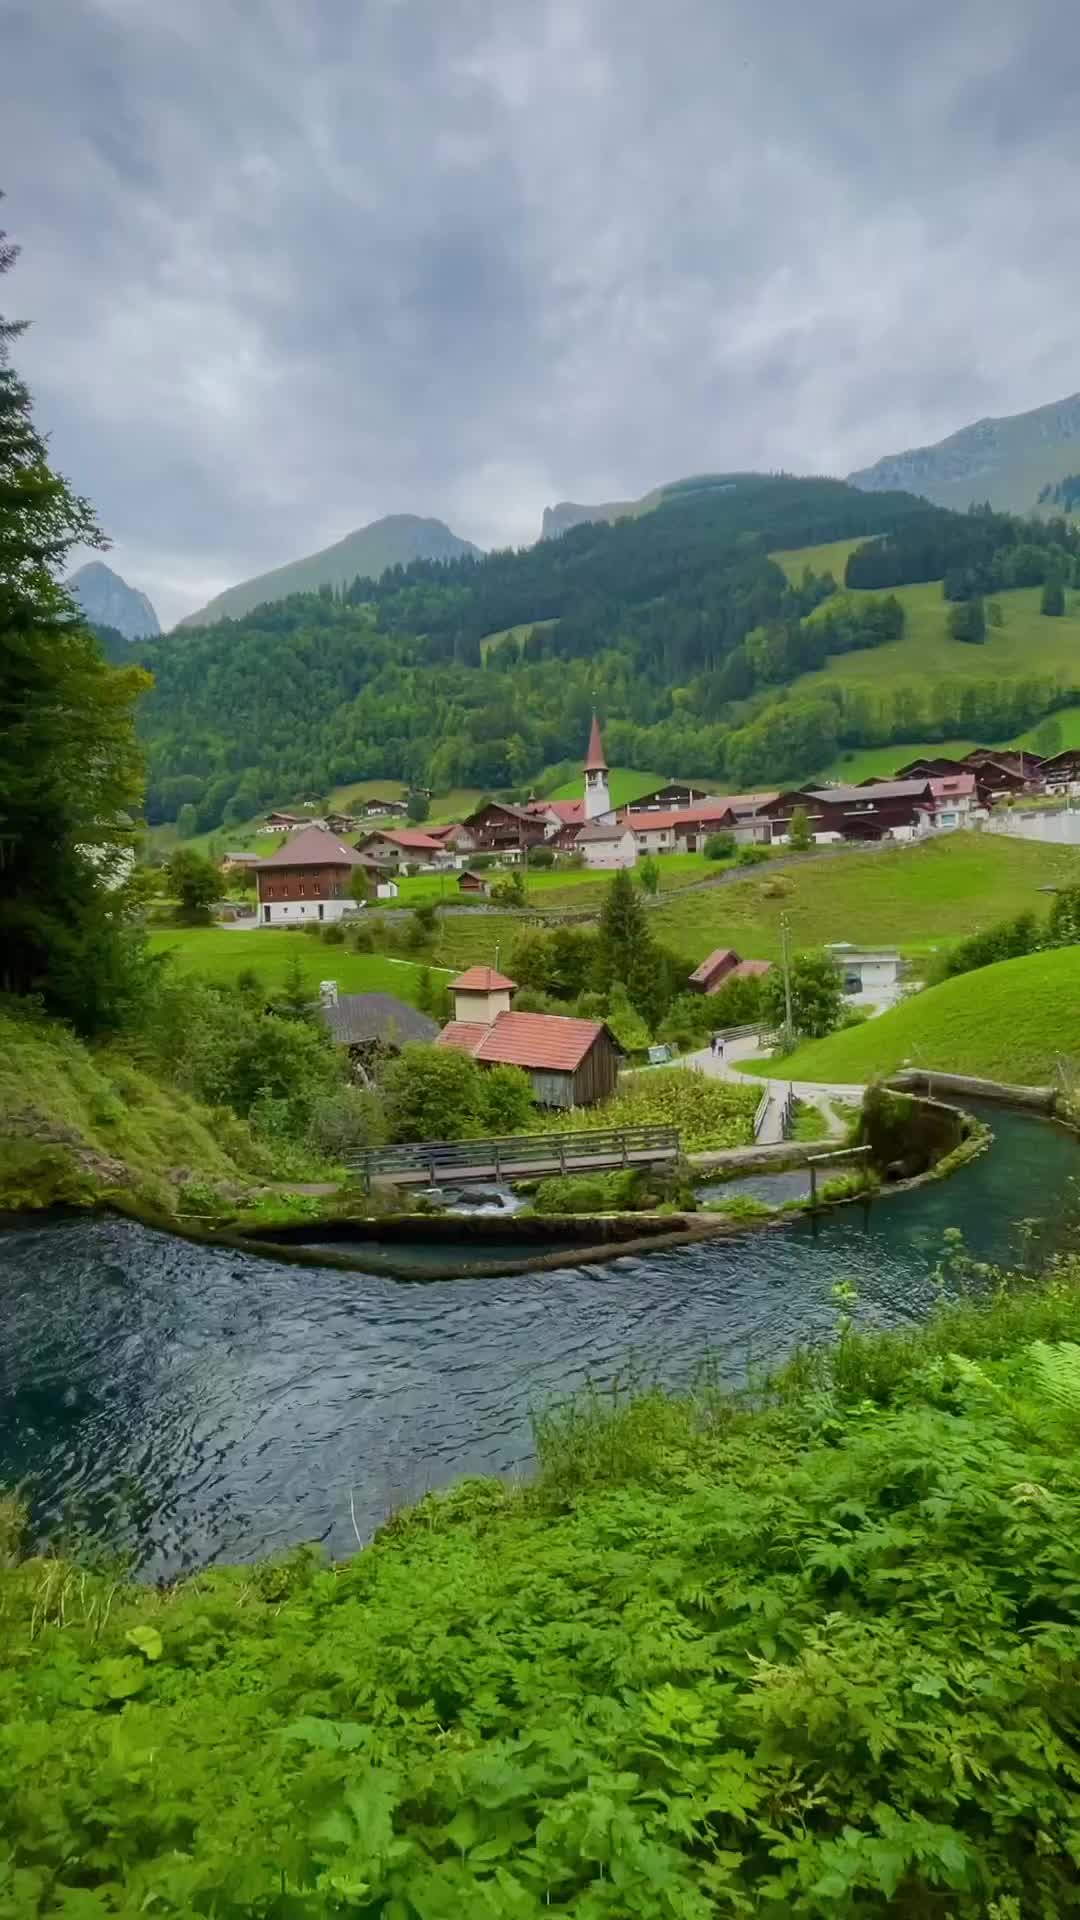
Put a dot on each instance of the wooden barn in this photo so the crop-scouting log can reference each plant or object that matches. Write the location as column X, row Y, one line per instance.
column 570, row 1063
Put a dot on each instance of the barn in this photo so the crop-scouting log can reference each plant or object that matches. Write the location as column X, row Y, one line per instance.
column 570, row 1063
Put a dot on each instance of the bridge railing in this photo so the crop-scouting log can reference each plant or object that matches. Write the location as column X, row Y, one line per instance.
column 520, row 1151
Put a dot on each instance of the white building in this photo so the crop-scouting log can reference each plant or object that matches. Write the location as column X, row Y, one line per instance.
column 869, row 973
column 309, row 878
column 607, row 844
column 597, row 797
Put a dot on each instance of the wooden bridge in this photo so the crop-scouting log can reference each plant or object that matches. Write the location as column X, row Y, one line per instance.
column 520, row 1156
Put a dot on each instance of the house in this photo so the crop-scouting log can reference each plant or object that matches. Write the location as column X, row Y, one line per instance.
column 371, row 1024
column 750, row 970
column 452, row 835
column 278, row 822
column 713, row 971
column 871, row 973
column 928, row 767
column 1061, row 771
column 667, row 799
column 308, row 878
column 500, row 827
column 686, row 829
column 377, row 808
column 473, row 883
column 606, row 844
column 341, row 822
column 558, row 814
column 881, row 809
column 955, row 803
column 237, row 862
column 397, row 847
column 1002, row 771
column 570, row 1063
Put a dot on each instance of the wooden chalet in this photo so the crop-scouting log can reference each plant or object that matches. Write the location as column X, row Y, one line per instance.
column 500, row 827
column 709, row 977
column 570, row 1063
column 870, row 812
column 1061, row 769
column 308, row 878
column 394, row 847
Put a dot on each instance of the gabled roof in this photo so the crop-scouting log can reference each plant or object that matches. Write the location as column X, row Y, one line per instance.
column 749, row 969
column 594, row 759
column 539, row 1042
column 312, row 847
column 503, row 806
column 359, row 1017
column 952, row 786
column 871, row 790
column 444, row 829
column 409, row 839
column 565, row 810
column 601, row 830
column 711, row 962
column 482, row 980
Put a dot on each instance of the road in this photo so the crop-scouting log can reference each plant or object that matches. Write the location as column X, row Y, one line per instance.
column 810, row 1091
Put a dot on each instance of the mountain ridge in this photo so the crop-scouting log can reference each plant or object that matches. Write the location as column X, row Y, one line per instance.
column 1005, row 459
column 366, row 553
column 107, row 600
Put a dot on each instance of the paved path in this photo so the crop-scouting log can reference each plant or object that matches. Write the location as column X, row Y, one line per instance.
column 814, row 1093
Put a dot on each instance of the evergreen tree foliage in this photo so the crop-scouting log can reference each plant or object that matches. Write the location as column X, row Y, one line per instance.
column 1053, row 598
column 70, row 770
column 627, row 954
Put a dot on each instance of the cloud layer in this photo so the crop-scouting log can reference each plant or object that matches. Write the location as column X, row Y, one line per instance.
column 293, row 264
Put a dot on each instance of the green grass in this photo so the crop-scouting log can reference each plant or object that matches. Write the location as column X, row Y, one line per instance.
column 220, row 955
column 709, row 1114
column 75, row 1122
column 1014, row 1021
column 911, row 897
column 813, row 1659
column 831, row 558
column 517, row 633
column 880, row 763
column 624, row 785
column 480, row 939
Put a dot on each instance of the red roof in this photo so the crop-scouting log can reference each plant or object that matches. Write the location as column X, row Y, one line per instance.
column 311, row 847
column 537, row 1041
column 749, row 969
column 482, row 980
column 594, row 759
column 952, row 786
column 712, row 962
column 568, row 811
column 444, row 830
column 410, row 839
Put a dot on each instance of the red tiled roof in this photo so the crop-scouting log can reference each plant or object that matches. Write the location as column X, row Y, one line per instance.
column 311, row 847
column 465, row 1035
column 411, row 839
column 952, row 786
column 565, row 810
column 594, row 759
column 481, row 980
column 539, row 1041
column 749, row 969
column 712, row 961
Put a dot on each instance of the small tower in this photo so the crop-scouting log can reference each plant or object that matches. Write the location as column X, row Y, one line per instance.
column 597, row 797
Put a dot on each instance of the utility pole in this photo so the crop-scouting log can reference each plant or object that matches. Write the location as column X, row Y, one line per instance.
column 785, row 961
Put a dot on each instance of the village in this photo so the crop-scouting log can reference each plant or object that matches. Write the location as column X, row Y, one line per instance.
column 319, row 874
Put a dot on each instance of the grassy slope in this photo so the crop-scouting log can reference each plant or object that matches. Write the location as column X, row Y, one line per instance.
column 912, row 897
column 69, row 1116
column 830, row 558
column 1007, row 1022
column 624, row 785
column 220, row 955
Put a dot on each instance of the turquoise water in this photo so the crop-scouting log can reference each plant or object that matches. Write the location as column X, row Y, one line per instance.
column 195, row 1404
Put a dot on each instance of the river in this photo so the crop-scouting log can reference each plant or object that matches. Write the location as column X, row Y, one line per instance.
column 193, row 1404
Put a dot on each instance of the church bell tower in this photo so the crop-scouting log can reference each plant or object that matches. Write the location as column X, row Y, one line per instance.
column 597, row 797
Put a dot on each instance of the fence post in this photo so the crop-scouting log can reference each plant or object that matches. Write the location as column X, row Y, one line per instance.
column 431, row 1168
column 813, row 1186
column 625, row 1159
column 562, row 1153
column 498, row 1161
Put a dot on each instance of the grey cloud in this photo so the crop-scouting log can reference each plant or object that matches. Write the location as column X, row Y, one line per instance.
column 298, row 263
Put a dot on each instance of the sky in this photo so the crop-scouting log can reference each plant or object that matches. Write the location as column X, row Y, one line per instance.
column 294, row 264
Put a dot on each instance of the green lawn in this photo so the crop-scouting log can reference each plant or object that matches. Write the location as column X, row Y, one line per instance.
column 911, row 897
column 221, row 955
column 624, row 785
column 1014, row 1021
column 880, row 763
column 511, row 633
column 831, row 558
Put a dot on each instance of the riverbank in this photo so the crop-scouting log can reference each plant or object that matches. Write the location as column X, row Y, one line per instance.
column 788, row 1621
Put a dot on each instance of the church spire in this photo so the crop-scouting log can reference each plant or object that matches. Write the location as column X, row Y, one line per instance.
column 594, row 759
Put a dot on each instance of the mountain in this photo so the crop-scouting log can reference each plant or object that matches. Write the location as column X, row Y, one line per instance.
column 559, row 519
column 108, row 601
column 1007, row 462
column 394, row 541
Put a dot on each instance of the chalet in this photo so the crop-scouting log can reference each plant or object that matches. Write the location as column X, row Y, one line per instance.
column 570, row 1063
column 379, row 809
column 667, row 799
column 278, row 822
column 341, row 822
column 606, row 844
column 499, row 827
column 1000, row 772
column 713, row 971
column 927, row 768
column 473, row 883
column 453, row 836
column 686, row 829
column 371, row 1025
column 558, row 814
column 881, row 809
column 1061, row 770
column 238, row 862
column 750, row 970
column 956, row 803
column 397, row 847
column 308, row 878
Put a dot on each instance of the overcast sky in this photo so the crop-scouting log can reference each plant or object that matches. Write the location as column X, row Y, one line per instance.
column 294, row 264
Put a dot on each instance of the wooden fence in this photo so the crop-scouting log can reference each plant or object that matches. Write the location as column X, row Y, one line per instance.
column 516, row 1156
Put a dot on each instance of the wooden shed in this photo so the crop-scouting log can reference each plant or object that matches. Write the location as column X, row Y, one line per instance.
column 570, row 1063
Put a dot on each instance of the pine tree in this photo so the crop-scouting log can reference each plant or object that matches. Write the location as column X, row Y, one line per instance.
column 70, row 769
column 627, row 953
column 1053, row 597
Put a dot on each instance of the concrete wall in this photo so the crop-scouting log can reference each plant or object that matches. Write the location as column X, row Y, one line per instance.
column 293, row 913
column 1058, row 828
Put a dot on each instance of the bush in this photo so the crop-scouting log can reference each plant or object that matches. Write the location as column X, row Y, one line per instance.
column 752, row 855
column 708, row 1113
column 720, row 846
column 541, row 857
column 433, row 1093
column 346, row 1122
column 311, row 928
column 506, row 1102
column 360, row 936
column 509, row 891
column 333, row 934
column 967, row 622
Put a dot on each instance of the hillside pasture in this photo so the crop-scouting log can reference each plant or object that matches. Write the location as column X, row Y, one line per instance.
column 220, row 954
column 1004, row 1022
column 625, row 785
column 830, row 558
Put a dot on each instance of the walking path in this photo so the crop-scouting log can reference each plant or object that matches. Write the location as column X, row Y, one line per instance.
column 747, row 1048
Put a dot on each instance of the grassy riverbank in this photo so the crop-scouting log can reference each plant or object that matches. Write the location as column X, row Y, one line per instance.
column 818, row 1659
column 77, row 1124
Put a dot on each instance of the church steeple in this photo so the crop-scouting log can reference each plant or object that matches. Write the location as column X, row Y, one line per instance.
column 597, row 798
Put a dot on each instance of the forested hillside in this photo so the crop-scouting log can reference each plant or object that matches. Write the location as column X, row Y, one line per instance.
column 479, row 672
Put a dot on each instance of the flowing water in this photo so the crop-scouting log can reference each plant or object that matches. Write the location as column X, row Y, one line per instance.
column 196, row 1404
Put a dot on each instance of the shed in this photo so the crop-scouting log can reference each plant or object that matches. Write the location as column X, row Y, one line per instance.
column 866, row 970
column 709, row 977
column 372, row 1023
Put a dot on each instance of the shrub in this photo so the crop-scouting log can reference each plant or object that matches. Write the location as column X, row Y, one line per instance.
column 333, row 934
column 361, row 936
column 506, row 1102
column 433, row 1093
column 509, row 891
column 346, row 1122
column 312, row 929
column 752, row 855
column 541, row 857
column 720, row 846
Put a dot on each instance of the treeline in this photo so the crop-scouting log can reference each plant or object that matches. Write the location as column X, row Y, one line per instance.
column 976, row 552
column 1065, row 494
